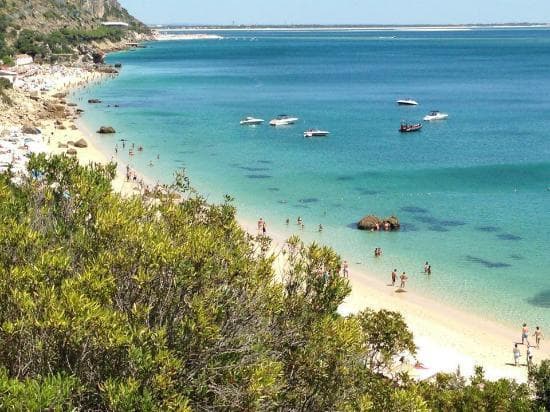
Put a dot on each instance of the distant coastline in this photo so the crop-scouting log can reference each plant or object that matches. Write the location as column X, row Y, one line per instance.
column 161, row 35
column 349, row 27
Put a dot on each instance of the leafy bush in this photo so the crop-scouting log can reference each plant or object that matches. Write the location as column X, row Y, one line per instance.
column 145, row 303
column 30, row 42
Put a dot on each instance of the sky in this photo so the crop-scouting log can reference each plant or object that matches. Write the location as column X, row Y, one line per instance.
column 338, row 11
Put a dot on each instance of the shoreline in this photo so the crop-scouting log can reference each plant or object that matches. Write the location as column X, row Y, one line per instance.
column 447, row 338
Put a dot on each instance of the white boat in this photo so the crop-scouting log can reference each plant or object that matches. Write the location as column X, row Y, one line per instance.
column 435, row 115
column 283, row 120
column 251, row 121
column 407, row 102
column 315, row 133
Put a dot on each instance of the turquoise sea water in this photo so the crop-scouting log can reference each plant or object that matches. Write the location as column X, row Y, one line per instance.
column 472, row 191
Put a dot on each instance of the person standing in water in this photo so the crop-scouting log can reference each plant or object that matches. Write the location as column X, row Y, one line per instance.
column 426, row 266
column 403, row 280
column 538, row 336
column 394, row 277
column 525, row 334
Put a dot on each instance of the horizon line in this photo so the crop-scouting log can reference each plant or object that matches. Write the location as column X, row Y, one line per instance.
column 351, row 25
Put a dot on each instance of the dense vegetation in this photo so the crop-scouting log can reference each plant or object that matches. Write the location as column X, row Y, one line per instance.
column 5, row 51
column 61, row 41
column 144, row 303
column 43, row 27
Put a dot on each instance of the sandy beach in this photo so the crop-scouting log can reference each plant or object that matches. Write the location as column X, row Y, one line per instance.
column 448, row 339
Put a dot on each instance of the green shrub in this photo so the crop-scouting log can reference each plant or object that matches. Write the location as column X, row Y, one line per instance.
column 147, row 303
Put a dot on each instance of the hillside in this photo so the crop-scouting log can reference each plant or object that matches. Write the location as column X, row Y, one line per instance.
column 46, row 28
column 48, row 15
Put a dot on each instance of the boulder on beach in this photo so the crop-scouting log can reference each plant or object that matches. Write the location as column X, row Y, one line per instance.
column 94, row 101
column 81, row 143
column 71, row 151
column 62, row 145
column 30, row 129
column 79, row 111
column 98, row 57
column 60, row 95
column 372, row 223
column 71, row 104
column 106, row 130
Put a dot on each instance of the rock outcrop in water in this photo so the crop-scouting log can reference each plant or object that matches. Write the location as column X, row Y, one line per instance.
column 374, row 223
column 106, row 130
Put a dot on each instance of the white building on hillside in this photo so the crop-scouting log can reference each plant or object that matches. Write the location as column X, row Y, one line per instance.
column 23, row 60
column 115, row 24
column 7, row 74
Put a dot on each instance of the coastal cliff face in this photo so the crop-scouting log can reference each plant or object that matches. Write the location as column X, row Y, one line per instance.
column 49, row 15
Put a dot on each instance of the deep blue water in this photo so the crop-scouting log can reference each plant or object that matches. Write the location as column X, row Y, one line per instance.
column 472, row 192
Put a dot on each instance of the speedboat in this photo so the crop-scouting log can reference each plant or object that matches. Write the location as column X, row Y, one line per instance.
column 316, row 133
column 410, row 127
column 251, row 121
column 283, row 120
column 407, row 102
column 435, row 115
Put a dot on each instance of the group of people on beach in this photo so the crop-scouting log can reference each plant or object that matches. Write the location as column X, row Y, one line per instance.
column 403, row 280
column 525, row 341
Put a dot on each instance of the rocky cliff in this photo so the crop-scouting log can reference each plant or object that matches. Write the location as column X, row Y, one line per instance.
column 49, row 15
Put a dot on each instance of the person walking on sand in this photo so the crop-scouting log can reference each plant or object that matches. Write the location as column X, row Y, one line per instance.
column 394, row 277
column 538, row 336
column 345, row 268
column 260, row 224
column 403, row 280
column 525, row 334
column 264, row 228
column 517, row 354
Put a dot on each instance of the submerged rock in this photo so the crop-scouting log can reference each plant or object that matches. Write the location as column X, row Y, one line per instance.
column 372, row 223
column 106, row 130
column 94, row 101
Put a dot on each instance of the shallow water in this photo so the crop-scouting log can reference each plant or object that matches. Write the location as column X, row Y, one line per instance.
column 472, row 191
